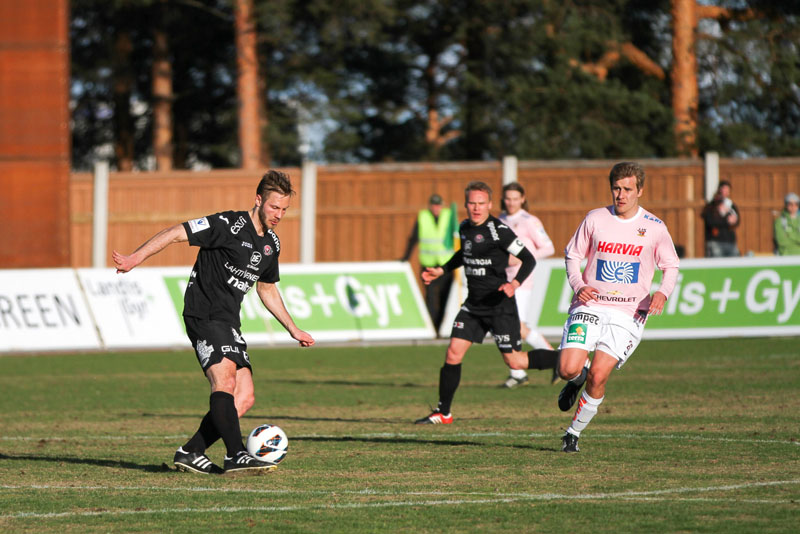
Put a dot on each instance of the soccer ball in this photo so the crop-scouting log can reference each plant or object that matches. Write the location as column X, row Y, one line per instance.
column 268, row 443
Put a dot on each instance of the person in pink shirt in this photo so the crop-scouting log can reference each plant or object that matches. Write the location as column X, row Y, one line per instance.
column 531, row 232
column 622, row 244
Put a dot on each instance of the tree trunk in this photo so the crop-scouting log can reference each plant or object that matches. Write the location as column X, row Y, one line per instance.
column 123, row 84
column 252, row 113
column 162, row 92
column 684, row 76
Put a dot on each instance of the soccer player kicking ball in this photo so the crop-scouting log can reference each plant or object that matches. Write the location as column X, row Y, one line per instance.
column 238, row 250
column 485, row 247
column 622, row 244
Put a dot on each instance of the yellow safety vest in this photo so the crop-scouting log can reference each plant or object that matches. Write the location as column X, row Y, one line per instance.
column 432, row 234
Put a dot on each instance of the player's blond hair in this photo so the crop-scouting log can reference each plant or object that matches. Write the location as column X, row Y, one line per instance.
column 625, row 169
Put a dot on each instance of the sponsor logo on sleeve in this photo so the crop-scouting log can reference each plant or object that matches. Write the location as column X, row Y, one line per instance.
column 276, row 240
column 493, row 231
column 238, row 225
column 577, row 333
column 618, row 272
column 198, row 225
column 224, row 219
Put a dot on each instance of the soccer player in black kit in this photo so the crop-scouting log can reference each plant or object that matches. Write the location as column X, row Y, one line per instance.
column 238, row 250
column 486, row 243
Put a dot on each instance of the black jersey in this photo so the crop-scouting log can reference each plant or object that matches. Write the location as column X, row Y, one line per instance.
column 232, row 258
column 484, row 255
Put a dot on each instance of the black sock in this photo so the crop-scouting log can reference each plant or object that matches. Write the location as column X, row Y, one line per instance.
column 226, row 420
column 205, row 436
column 581, row 378
column 449, row 377
column 542, row 359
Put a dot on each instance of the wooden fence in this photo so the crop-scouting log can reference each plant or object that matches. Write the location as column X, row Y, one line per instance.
column 365, row 212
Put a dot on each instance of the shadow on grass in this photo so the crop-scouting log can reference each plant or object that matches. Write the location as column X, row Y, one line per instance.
column 390, row 440
column 316, row 382
column 147, row 468
column 275, row 417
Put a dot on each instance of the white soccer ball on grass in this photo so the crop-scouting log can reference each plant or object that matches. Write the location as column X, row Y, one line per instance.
column 268, row 443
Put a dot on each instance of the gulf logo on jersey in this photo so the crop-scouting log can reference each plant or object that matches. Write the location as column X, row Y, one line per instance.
column 618, row 272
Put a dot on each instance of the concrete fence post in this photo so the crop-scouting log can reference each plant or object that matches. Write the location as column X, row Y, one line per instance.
column 711, row 161
column 308, row 211
column 510, row 165
column 100, row 214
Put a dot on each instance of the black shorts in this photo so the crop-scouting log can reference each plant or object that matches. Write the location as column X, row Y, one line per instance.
column 214, row 340
column 504, row 327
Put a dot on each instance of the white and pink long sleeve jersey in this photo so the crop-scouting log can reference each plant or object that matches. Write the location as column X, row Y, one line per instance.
column 531, row 232
column 621, row 258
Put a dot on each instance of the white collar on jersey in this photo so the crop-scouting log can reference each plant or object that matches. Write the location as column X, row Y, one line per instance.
column 626, row 221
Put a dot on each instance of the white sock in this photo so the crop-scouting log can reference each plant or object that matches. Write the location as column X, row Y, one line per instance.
column 519, row 374
column 587, row 409
column 537, row 341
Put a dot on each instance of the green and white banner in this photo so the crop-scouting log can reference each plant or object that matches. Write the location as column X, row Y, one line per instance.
column 95, row 309
column 713, row 298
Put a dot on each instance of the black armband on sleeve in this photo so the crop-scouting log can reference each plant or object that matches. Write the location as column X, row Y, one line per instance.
column 528, row 263
column 455, row 262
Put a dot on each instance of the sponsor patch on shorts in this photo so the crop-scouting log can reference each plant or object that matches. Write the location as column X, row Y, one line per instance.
column 576, row 333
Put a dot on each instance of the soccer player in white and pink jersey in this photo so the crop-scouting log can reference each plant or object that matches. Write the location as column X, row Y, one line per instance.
column 531, row 232
column 622, row 244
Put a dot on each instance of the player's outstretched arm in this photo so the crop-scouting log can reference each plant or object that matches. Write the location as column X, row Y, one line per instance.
column 271, row 298
column 157, row 243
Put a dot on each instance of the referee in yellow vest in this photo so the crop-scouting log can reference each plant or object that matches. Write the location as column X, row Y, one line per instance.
column 431, row 231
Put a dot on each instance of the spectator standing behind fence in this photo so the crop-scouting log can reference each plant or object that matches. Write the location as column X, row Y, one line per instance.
column 721, row 217
column 434, row 230
column 787, row 227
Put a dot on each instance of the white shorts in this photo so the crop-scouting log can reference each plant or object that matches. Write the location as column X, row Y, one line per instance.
column 523, row 297
column 611, row 331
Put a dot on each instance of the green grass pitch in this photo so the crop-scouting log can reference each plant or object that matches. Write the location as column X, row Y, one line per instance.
column 694, row 436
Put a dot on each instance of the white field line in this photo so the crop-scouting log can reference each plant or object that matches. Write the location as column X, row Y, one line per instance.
column 92, row 438
column 369, row 491
column 545, row 497
column 404, row 435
